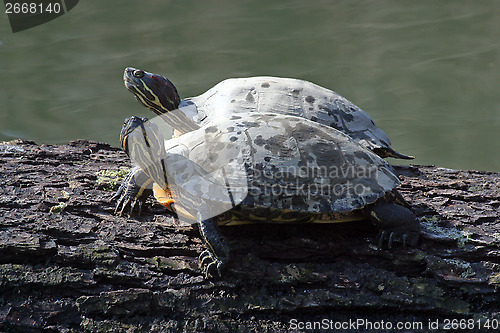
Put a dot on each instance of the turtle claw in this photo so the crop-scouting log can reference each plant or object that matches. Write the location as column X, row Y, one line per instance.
column 390, row 240
column 134, row 204
column 405, row 239
column 139, row 208
column 391, row 237
column 398, row 224
column 118, row 193
column 215, row 257
column 384, row 236
column 130, row 195
column 211, row 265
column 381, row 236
column 121, row 201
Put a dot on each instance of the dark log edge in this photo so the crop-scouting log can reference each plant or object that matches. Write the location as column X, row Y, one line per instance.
column 67, row 264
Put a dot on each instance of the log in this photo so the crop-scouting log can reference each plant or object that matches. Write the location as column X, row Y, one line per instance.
column 68, row 264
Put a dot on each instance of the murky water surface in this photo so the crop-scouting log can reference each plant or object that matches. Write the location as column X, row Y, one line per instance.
column 427, row 71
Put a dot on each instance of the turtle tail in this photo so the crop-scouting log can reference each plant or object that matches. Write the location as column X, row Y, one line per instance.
column 389, row 152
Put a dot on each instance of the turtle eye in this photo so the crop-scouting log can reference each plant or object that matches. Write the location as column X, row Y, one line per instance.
column 138, row 74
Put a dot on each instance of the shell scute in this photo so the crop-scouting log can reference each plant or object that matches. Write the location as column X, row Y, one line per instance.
column 292, row 164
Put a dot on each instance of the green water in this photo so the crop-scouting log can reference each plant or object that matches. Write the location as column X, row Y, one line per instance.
column 428, row 72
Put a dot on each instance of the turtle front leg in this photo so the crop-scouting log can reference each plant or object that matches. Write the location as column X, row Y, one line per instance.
column 215, row 257
column 397, row 223
column 133, row 192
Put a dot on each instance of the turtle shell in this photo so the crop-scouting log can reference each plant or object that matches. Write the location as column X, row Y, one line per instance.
column 271, row 161
column 290, row 97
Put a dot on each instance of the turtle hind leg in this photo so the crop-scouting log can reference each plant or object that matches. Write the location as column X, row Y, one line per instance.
column 214, row 259
column 397, row 224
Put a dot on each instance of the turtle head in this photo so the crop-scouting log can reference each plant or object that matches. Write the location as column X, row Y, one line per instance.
column 154, row 91
column 143, row 143
column 129, row 126
column 159, row 95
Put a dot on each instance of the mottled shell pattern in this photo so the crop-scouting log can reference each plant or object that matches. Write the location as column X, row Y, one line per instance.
column 282, row 162
column 286, row 96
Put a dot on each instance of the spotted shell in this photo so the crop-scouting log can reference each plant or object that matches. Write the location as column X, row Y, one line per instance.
column 291, row 97
column 274, row 161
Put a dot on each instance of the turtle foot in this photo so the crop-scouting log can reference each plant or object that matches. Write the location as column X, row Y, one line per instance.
column 211, row 265
column 390, row 237
column 127, row 204
column 131, row 196
column 215, row 257
column 398, row 224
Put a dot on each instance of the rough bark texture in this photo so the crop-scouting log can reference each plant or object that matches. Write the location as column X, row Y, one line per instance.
column 68, row 264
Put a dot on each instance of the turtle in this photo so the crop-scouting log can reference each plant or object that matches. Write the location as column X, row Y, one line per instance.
column 258, row 94
column 241, row 96
column 271, row 168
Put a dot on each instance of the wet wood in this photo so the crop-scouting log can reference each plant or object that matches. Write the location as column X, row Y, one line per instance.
column 68, row 264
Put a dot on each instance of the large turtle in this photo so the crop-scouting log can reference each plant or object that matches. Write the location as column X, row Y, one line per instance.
column 242, row 96
column 258, row 94
column 267, row 168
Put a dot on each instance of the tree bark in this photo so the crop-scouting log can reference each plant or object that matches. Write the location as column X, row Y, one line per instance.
column 68, row 264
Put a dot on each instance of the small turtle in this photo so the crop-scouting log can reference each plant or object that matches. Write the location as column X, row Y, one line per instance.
column 258, row 94
column 271, row 168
